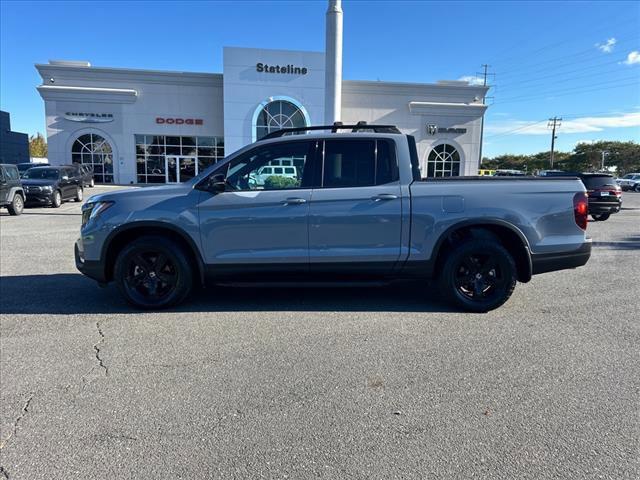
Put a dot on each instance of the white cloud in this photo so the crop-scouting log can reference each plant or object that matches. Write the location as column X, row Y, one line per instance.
column 576, row 125
column 632, row 58
column 472, row 79
column 607, row 47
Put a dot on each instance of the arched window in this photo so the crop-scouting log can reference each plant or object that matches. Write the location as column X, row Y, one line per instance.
column 277, row 115
column 443, row 161
column 93, row 150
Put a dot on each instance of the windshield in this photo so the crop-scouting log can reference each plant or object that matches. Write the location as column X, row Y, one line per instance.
column 42, row 173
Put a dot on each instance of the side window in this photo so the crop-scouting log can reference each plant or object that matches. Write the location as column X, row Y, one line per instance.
column 12, row 173
column 248, row 172
column 358, row 163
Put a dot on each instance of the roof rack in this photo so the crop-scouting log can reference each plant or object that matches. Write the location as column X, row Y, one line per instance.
column 334, row 128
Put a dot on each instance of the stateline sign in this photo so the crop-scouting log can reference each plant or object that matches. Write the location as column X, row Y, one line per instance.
column 284, row 69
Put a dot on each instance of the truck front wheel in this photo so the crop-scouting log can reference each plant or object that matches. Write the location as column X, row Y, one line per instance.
column 153, row 272
column 478, row 275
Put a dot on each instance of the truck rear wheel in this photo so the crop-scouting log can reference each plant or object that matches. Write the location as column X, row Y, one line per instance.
column 153, row 272
column 478, row 275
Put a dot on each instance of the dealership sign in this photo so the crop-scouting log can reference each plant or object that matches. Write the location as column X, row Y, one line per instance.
column 286, row 69
column 433, row 129
column 89, row 117
column 179, row 121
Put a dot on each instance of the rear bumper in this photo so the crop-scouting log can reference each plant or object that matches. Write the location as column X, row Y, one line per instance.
column 550, row 262
column 604, row 207
column 91, row 268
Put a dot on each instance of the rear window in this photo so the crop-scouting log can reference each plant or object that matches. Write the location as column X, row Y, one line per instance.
column 592, row 182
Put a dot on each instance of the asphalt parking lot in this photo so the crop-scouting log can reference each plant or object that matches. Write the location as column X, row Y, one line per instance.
column 331, row 383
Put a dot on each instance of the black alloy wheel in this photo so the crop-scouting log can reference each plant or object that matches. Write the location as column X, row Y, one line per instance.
column 153, row 273
column 478, row 275
column 79, row 194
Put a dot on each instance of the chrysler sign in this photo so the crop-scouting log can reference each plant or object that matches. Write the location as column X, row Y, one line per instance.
column 87, row 117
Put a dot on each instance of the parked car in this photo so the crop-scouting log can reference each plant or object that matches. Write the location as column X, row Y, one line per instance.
column 631, row 181
column 359, row 213
column 84, row 172
column 605, row 195
column 51, row 186
column 509, row 173
column 23, row 167
column 11, row 192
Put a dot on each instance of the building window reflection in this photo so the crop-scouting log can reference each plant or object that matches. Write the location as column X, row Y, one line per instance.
column 277, row 115
column 152, row 152
column 93, row 150
column 443, row 161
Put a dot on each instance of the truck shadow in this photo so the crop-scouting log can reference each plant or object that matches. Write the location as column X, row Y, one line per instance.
column 68, row 294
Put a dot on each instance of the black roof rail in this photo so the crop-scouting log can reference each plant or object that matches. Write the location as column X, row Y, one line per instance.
column 334, row 128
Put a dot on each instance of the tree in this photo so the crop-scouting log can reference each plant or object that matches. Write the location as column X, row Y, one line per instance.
column 38, row 146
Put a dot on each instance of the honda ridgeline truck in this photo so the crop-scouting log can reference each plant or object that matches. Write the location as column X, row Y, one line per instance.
column 357, row 211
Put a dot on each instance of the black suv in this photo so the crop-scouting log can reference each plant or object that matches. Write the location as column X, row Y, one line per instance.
column 51, row 186
column 85, row 172
column 605, row 195
column 11, row 192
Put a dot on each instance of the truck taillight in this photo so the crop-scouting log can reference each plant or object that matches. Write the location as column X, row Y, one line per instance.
column 581, row 209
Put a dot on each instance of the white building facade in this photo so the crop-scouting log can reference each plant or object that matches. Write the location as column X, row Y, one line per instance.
column 145, row 126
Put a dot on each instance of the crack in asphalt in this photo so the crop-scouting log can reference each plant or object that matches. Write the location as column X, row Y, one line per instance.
column 96, row 347
column 16, row 422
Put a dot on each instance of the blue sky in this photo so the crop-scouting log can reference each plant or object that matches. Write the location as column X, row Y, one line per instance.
column 572, row 59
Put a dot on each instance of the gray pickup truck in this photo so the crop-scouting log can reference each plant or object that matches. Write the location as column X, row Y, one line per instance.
column 356, row 211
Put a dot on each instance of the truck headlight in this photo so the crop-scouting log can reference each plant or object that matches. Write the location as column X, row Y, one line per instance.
column 91, row 210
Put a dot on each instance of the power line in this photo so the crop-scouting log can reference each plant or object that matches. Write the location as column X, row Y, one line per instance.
column 510, row 132
column 544, row 93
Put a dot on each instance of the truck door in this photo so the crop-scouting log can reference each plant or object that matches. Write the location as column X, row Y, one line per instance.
column 355, row 217
column 261, row 220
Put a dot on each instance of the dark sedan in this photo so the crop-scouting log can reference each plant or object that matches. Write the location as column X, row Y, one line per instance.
column 51, row 186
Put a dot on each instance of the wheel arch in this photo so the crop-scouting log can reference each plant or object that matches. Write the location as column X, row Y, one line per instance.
column 119, row 237
column 504, row 232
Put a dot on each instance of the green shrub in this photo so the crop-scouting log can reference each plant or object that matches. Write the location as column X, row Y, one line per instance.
column 276, row 182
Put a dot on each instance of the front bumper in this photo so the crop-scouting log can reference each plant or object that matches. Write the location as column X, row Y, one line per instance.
column 550, row 262
column 38, row 198
column 91, row 268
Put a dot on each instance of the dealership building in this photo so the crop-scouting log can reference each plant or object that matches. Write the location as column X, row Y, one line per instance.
column 148, row 126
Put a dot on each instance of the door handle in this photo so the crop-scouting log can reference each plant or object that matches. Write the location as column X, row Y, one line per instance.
column 384, row 196
column 294, row 201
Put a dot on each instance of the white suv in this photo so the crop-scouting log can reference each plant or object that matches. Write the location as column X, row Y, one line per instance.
column 631, row 181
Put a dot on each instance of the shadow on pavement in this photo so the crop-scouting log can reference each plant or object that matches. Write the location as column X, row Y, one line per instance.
column 68, row 293
column 628, row 245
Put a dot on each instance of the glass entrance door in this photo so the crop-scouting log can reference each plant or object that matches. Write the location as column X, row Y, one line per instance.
column 180, row 168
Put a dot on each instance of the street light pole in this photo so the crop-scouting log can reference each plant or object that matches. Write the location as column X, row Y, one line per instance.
column 604, row 153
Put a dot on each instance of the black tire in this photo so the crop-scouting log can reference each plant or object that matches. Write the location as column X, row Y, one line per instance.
column 153, row 273
column 601, row 217
column 478, row 275
column 56, row 199
column 92, row 183
column 79, row 194
column 17, row 205
column 637, row 188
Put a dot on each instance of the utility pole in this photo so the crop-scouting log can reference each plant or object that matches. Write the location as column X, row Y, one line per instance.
column 554, row 123
column 485, row 68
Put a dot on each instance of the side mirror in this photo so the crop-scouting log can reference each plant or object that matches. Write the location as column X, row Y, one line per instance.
column 217, row 183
